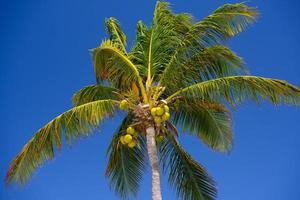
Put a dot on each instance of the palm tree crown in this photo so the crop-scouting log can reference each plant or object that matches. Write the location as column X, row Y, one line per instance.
column 178, row 73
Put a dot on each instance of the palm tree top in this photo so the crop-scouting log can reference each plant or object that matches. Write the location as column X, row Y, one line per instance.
column 178, row 73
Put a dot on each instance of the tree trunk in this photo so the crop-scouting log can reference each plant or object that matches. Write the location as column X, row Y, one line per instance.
column 152, row 153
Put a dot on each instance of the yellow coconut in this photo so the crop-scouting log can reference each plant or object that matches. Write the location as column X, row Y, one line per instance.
column 159, row 111
column 122, row 140
column 134, row 134
column 166, row 116
column 132, row 144
column 127, row 138
column 160, row 138
column 124, row 105
column 130, row 130
column 158, row 120
column 153, row 111
column 166, row 108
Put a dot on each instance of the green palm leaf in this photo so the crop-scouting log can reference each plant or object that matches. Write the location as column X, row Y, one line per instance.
column 93, row 93
column 112, row 64
column 224, row 23
column 210, row 121
column 160, row 40
column 125, row 165
column 211, row 62
column 79, row 121
column 235, row 89
column 116, row 35
column 188, row 177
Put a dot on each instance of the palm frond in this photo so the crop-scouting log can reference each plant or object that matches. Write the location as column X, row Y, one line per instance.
column 112, row 64
column 116, row 35
column 189, row 178
column 235, row 89
column 93, row 93
column 210, row 121
column 211, row 62
column 125, row 165
column 156, row 43
column 224, row 23
column 78, row 122
column 138, row 52
column 161, row 39
column 227, row 21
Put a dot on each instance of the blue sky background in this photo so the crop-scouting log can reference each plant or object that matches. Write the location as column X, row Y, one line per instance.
column 44, row 59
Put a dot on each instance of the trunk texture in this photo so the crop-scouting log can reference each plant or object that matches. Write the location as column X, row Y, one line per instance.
column 152, row 153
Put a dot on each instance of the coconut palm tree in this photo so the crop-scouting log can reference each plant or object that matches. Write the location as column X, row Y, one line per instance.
column 177, row 74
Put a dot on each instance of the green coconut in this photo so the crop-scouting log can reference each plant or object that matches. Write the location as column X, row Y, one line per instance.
column 124, row 104
column 159, row 111
column 132, row 144
column 153, row 111
column 127, row 138
column 122, row 140
column 158, row 120
column 159, row 138
column 130, row 130
column 166, row 108
column 166, row 116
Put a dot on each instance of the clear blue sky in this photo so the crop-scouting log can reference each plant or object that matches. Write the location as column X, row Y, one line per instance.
column 44, row 59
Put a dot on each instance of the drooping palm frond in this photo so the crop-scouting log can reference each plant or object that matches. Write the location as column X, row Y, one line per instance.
column 77, row 122
column 224, row 23
column 115, row 33
column 125, row 165
column 112, row 64
column 211, row 62
column 93, row 93
column 227, row 21
column 210, row 121
column 235, row 89
column 189, row 178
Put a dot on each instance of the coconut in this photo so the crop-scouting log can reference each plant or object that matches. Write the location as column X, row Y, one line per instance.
column 124, row 105
column 130, row 130
column 160, row 138
column 160, row 111
column 134, row 134
column 153, row 111
column 158, row 120
column 166, row 116
column 127, row 138
column 132, row 144
column 122, row 140
column 166, row 108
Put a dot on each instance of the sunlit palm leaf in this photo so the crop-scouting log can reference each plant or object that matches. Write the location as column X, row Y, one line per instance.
column 93, row 93
column 188, row 177
column 224, row 23
column 210, row 121
column 125, row 165
column 138, row 52
column 212, row 62
column 116, row 35
column 77, row 122
column 235, row 89
column 112, row 64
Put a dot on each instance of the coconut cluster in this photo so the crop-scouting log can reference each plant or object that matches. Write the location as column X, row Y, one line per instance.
column 160, row 113
column 130, row 138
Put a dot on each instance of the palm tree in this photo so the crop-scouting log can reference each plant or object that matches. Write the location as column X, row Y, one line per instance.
column 178, row 73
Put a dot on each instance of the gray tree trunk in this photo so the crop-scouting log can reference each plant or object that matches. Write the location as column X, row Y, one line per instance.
column 152, row 153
